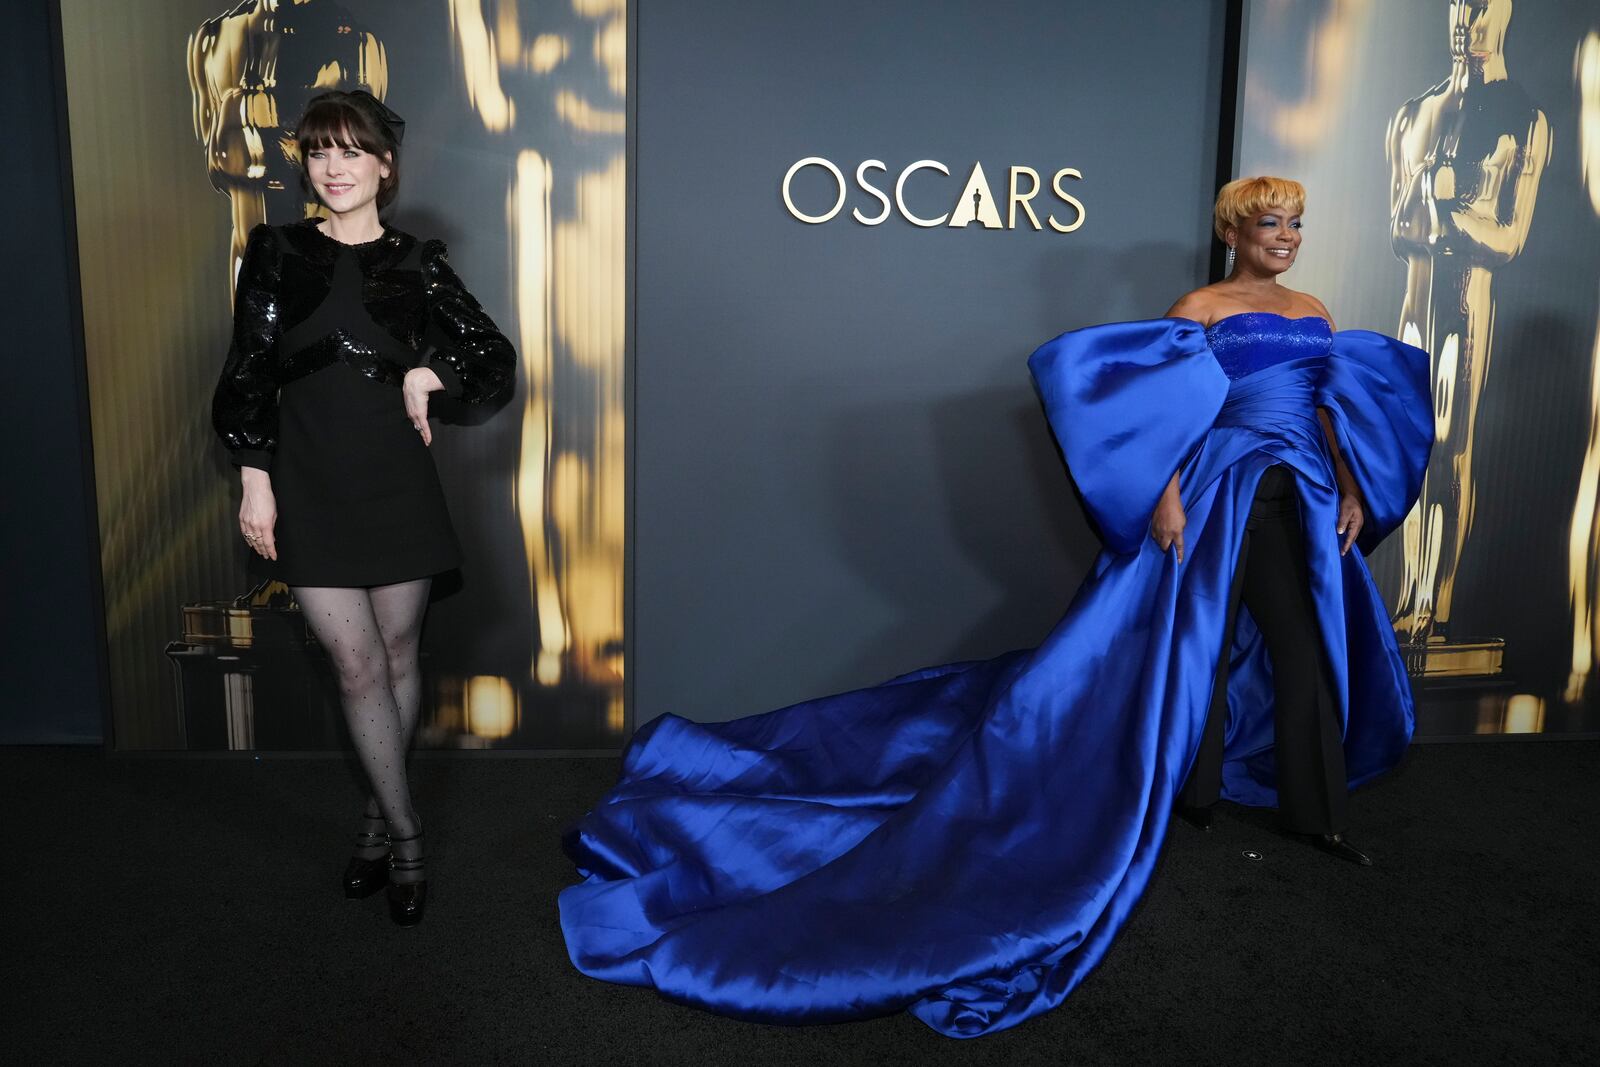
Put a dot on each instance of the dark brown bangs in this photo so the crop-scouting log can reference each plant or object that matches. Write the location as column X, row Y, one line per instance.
column 334, row 123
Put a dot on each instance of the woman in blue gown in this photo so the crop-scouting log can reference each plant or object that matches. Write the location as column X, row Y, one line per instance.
column 964, row 842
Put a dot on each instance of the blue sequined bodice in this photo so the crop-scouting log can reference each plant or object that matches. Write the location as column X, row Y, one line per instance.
column 1255, row 340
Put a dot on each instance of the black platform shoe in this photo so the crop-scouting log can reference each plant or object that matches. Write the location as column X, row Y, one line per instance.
column 362, row 878
column 1336, row 845
column 1198, row 817
column 406, row 899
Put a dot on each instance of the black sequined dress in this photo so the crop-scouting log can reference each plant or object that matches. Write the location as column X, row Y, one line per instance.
column 323, row 336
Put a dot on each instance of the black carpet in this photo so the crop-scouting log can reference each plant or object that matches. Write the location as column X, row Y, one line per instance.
column 187, row 911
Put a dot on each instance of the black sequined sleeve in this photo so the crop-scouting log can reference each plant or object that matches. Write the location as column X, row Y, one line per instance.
column 473, row 359
column 244, row 409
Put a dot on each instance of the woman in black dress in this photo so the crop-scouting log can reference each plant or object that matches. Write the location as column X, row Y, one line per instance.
column 343, row 327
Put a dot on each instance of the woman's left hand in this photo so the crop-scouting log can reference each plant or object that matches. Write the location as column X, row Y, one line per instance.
column 419, row 382
column 1351, row 518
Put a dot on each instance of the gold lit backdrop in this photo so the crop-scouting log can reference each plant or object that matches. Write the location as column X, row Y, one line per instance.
column 181, row 124
column 1449, row 204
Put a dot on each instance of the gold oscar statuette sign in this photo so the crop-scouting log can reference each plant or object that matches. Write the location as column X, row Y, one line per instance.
column 1465, row 161
column 251, row 72
column 1584, row 543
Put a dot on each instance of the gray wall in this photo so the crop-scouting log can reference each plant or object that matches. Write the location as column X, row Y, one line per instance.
column 841, row 472
column 50, row 639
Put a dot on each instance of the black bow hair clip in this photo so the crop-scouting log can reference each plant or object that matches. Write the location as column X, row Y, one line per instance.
column 385, row 114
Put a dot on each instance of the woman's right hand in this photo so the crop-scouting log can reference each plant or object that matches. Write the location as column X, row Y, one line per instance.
column 1166, row 526
column 258, row 513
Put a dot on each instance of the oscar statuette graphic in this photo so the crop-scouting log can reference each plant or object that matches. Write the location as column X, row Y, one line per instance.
column 251, row 72
column 1465, row 162
column 551, row 80
column 1584, row 546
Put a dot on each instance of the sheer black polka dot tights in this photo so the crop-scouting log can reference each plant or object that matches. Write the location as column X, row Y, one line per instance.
column 372, row 637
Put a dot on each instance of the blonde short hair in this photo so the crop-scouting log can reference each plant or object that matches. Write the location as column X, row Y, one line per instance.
column 1245, row 198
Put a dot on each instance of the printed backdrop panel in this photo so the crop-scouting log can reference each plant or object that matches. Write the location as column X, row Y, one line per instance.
column 182, row 139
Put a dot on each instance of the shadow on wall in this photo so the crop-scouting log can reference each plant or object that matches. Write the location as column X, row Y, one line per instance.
column 999, row 505
column 1009, row 510
column 1022, row 465
column 424, row 223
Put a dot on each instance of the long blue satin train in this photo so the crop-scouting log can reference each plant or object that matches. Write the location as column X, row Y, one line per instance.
column 964, row 842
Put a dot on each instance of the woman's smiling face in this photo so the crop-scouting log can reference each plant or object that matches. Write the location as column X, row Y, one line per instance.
column 345, row 177
column 1267, row 242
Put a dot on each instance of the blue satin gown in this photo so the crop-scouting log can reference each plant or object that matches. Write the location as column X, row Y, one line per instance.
column 964, row 842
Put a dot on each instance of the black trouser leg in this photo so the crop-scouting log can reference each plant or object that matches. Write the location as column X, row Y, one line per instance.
column 1276, row 586
column 1307, row 741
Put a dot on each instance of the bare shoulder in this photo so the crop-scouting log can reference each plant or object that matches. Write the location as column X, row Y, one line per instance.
column 1198, row 305
column 1306, row 304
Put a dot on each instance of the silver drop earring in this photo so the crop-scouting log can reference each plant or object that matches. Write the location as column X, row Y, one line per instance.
column 1230, row 260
